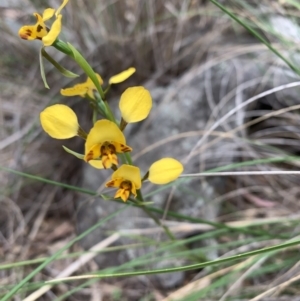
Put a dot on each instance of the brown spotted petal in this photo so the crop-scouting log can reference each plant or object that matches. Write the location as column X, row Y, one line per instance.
column 34, row 32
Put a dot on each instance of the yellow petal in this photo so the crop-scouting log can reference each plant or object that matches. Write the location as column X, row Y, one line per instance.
column 34, row 32
column 82, row 89
column 59, row 121
column 133, row 189
column 130, row 173
column 48, row 14
column 135, row 104
column 123, row 194
column 103, row 131
column 164, row 171
column 79, row 89
column 61, row 7
column 90, row 84
column 114, row 183
column 54, row 32
column 90, row 93
column 97, row 164
column 118, row 78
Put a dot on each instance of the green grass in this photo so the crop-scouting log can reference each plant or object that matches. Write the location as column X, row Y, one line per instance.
column 260, row 251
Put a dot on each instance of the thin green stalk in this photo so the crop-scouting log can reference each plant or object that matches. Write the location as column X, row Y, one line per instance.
column 86, row 67
column 110, row 115
column 62, row 47
column 189, row 267
column 256, row 34
column 95, row 115
column 156, row 220
column 152, row 209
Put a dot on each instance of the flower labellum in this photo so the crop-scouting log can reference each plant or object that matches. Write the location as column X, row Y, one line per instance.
column 59, row 122
column 103, row 142
column 127, row 179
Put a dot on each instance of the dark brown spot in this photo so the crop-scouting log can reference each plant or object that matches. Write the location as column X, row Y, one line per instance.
column 110, row 183
column 125, row 148
column 107, row 149
column 89, row 156
column 29, row 32
column 24, row 36
column 126, row 185
column 39, row 28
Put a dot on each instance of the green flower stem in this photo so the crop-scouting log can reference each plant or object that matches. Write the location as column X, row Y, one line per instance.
column 100, row 105
column 63, row 47
column 156, row 220
column 86, row 67
column 123, row 124
column 81, row 133
column 107, row 89
column 95, row 115
column 71, row 51
column 109, row 113
column 146, row 176
column 160, row 224
column 128, row 158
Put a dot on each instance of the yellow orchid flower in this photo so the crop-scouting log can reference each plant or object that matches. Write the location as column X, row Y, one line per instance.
column 103, row 142
column 128, row 178
column 82, row 89
column 39, row 31
column 60, row 122
column 88, row 86
column 135, row 104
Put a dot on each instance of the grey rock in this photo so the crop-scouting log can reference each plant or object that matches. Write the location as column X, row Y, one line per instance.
column 192, row 103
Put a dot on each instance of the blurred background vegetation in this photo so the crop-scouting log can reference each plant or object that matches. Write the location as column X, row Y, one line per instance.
column 166, row 41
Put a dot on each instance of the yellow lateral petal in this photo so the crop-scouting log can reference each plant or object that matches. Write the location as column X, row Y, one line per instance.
column 59, row 121
column 48, row 14
column 90, row 93
column 121, row 148
column 79, row 89
column 133, row 189
column 114, row 183
column 135, row 104
column 120, row 77
column 90, row 84
column 97, row 164
column 61, row 7
column 102, row 131
column 54, row 32
column 130, row 173
column 165, row 171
